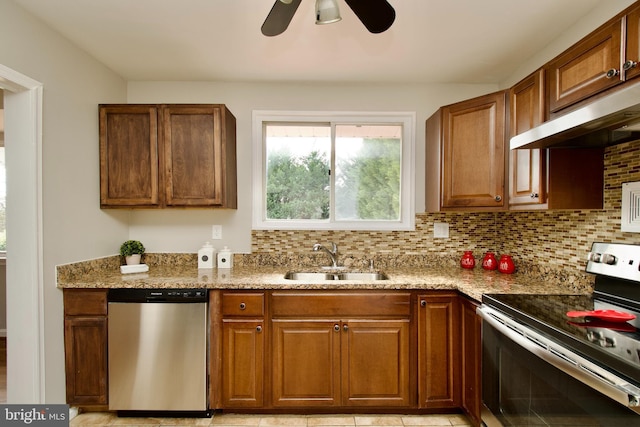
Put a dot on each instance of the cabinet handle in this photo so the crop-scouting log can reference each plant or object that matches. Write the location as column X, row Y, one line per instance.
column 259, row 328
column 423, row 303
column 243, row 306
column 346, row 328
column 498, row 198
column 336, row 327
column 534, row 195
column 629, row 64
column 612, row 73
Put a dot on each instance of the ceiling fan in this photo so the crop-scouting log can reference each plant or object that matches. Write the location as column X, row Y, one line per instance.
column 376, row 15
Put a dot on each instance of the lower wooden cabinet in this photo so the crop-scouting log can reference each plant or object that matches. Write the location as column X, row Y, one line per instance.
column 361, row 358
column 310, row 350
column 438, row 351
column 243, row 364
column 85, row 343
column 471, row 352
column 243, row 348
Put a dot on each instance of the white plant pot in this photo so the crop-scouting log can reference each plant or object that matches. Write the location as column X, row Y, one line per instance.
column 133, row 259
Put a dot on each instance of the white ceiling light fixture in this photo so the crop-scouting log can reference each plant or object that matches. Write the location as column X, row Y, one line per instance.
column 327, row 12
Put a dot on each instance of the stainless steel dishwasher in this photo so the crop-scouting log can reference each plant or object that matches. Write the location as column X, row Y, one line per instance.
column 158, row 348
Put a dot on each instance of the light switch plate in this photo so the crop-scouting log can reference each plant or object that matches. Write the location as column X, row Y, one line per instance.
column 440, row 230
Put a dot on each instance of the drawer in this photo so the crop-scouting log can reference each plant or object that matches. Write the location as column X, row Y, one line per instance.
column 340, row 304
column 83, row 302
column 243, row 304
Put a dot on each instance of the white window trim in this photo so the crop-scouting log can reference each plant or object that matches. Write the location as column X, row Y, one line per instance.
column 407, row 190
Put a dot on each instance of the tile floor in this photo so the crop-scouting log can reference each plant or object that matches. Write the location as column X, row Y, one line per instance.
column 99, row 419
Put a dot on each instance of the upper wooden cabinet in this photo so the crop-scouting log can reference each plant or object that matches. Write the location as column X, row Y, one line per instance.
column 605, row 58
column 527, row 168
column 167, row 155
column 465, row 155
column 555, row 178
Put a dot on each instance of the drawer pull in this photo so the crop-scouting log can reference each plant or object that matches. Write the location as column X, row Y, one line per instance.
column 243, row 306
column 336, row 327
column 259, row 328
column 423, row 303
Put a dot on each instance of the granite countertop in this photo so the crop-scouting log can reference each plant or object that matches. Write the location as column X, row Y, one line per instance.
column 473, row 283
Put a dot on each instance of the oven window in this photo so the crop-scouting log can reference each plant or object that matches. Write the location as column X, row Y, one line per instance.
column 520, row 389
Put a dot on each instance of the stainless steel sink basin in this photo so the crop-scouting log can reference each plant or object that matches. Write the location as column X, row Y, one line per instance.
column 312, row 277
column 315, row 277
column 362, row 276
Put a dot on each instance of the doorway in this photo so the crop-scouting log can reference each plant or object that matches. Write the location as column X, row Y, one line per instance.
column 23, row 137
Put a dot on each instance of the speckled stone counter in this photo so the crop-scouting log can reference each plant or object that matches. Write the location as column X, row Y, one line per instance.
column 180, row 271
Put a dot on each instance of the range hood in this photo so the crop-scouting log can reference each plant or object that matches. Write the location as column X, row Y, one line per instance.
column 609, row 120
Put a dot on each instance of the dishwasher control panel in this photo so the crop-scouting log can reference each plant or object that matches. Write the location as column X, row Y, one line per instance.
column 157, row 295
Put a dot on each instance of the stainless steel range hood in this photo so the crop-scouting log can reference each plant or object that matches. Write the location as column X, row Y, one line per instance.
column 610, row 120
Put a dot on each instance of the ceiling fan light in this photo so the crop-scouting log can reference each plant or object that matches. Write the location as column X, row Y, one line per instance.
column 327, row 12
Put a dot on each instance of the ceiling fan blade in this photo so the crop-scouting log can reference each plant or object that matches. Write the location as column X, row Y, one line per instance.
column 376, row 15
column 279, row 17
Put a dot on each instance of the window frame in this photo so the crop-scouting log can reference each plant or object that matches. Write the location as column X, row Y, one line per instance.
column 407, row 180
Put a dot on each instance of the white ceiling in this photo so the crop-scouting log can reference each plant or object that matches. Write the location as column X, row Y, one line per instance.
column 432, row 41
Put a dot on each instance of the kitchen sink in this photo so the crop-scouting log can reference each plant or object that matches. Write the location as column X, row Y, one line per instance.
column 315, row 276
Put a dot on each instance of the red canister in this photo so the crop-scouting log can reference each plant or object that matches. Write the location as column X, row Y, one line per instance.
column 489, row 262
column 467, row 261
column 506, row 264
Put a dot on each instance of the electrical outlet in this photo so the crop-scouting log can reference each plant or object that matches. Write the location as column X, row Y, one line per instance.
column 216, row 232
column 440, row 230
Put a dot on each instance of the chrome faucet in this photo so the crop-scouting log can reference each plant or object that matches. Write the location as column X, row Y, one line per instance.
column 332, row 253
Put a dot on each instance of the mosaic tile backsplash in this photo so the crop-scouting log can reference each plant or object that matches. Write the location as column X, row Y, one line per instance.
column 537, row 240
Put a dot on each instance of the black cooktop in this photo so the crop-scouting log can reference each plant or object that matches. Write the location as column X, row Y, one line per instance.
column 614, row 345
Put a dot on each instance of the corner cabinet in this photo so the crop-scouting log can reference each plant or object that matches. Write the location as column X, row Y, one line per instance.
column 85, row 346
column 465, row 155
column 178, row 155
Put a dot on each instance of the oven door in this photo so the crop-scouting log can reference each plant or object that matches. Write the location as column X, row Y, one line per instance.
column 529, row 380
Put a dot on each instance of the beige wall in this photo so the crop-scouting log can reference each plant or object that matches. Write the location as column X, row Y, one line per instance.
column 74, row 228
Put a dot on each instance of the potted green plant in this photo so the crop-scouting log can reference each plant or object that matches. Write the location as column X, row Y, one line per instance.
column 132, row 251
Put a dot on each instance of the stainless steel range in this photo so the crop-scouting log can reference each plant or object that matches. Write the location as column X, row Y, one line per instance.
column 559, row 360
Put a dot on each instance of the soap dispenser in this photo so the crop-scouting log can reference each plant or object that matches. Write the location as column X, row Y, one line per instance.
column 206, row 259
column 225, row 258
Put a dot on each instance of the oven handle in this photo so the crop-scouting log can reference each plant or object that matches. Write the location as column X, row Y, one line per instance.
column 571, row 363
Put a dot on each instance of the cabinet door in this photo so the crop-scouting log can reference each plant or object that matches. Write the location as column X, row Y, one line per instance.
column 438, row 353
column 632, row 53
column 306, row 363
column 243, row 364
column 473, row 162
column 587, row 68
column 85, row 340
column 193, row 164
column 527, row 177
column 375, row 363
column 128, row 156
column 471, row 361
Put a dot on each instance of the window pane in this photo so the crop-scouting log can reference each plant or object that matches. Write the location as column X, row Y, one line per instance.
column 368, row 160
column 298, row 181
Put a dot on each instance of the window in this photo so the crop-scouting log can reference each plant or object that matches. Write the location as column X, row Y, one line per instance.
column 333, row 171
